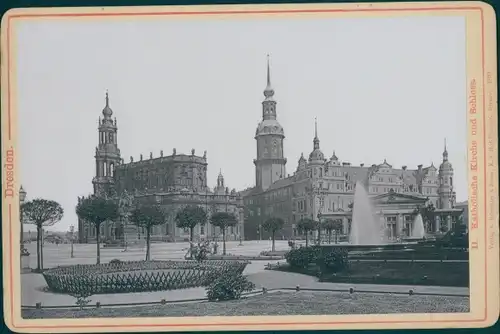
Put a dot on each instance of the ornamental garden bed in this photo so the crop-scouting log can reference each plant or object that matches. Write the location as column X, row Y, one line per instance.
column 336, row 265
column 416, row 254
column 398, row 273
column 275, row 253
column 136, row 276
column 243, row 257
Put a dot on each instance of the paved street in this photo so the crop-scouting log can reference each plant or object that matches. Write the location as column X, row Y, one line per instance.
column 54, row 256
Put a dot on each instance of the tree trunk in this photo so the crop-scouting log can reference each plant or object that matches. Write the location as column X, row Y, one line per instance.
column 98, row 241
column 148, row 243
column 319, row 236
column 41, row 250
column 307, row 238
column 224, row 241
column 329, row 236
column 273, row 248
column 38, row 235
column 191, row 237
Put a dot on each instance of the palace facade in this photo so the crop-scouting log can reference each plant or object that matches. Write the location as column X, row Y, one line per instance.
column 322, row 188
column 172, row 181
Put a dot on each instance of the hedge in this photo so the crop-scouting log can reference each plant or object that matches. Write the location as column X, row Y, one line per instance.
column 327, row 259
column 122, row 277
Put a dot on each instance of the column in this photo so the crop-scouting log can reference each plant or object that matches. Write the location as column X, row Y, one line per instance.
column 399, row 228
column 449, row 222
column 345, row 225
column 242, row 225
column 437, row 224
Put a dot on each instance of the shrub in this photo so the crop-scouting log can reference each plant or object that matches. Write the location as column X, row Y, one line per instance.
column 200, row 252
column 302, row 257
column 115, row 261
column 327, row 259
column 333, row 260
column 228, row 285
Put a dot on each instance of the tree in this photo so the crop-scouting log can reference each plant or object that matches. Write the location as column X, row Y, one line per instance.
column 41, row 212
column 273, row 225
column 147, row 216
column 306, row 225
column 96, row 210
column 338, row 227
column 223, row 220
column 189, row 217
column 330, row 226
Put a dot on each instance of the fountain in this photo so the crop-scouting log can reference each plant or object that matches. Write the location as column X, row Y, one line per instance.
column 418, row 231
column 366, row 227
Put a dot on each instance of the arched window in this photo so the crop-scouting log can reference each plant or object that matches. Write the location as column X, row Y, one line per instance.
column 111, row 139
column 111, row 169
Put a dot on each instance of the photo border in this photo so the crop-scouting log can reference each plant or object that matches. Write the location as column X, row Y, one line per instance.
column 482, row 170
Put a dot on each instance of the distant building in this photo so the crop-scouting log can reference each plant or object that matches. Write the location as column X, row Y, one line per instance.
column 464, row 206
column 323, row 188
column 172, row 181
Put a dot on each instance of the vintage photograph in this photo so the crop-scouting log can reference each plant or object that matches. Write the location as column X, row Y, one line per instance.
column 242, row 166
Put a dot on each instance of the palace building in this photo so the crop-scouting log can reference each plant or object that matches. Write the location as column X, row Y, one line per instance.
column 172, row 181
column 322, row 188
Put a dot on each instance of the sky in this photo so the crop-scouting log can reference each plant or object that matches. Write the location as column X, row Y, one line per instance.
column 380, row 88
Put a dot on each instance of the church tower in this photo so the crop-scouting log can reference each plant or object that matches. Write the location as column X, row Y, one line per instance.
column 107, row 154
column 270, row 163
column 445, row 190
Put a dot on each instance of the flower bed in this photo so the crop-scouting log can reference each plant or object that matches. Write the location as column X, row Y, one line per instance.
column 137, row 276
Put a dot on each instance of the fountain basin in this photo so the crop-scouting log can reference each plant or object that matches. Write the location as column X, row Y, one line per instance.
column 353, row 248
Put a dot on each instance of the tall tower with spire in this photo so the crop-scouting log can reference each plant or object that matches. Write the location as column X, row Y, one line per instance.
column 107, row 154
column 270, row 162
column 316, row 156
column 446, row 191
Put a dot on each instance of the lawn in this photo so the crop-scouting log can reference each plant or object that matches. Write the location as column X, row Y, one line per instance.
column 278, row 303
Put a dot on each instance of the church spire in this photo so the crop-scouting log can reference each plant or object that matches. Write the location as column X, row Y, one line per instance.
column 269, row 91
column 107, row 112
column 316, row 139
column 445, row 152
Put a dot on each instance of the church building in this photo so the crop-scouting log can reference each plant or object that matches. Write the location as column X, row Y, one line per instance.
column 172, row 181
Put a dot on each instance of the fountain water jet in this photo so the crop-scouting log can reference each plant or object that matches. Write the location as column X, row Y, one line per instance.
column 366, row 227
column 418, row 231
